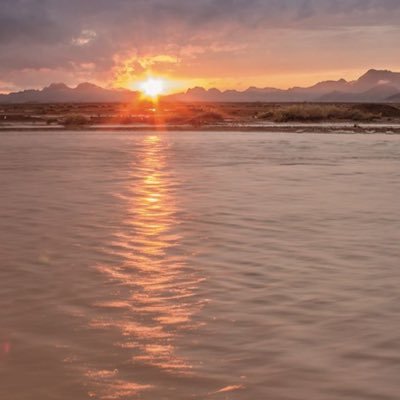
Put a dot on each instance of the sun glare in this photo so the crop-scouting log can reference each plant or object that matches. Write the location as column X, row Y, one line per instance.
column 152, row 87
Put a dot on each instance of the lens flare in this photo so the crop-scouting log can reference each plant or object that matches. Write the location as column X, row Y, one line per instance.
column 152, row 87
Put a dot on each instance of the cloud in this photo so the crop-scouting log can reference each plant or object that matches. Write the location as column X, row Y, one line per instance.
column 194, row 37
column 85, row 37
column 129, row 67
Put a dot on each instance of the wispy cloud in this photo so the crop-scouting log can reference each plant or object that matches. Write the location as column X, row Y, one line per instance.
column 86, row 36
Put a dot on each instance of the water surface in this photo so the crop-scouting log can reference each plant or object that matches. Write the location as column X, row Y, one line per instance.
column 199, row 266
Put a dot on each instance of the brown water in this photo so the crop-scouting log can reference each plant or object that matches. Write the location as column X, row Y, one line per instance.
column 175, row 266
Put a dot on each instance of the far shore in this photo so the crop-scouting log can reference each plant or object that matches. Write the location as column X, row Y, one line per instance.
column 252, row 117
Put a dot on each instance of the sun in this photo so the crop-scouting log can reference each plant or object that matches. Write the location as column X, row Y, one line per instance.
column 152, row 87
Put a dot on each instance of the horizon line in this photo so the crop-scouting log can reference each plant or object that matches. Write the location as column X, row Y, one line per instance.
column 188, row 88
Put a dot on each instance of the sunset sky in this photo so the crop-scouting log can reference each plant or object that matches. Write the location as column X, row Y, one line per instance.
column 213, row 43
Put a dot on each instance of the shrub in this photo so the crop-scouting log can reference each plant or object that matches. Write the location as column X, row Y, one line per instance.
column 316, row 113
column 75, row 120
column 50, row 121
column 380, row 110
column 206, row 118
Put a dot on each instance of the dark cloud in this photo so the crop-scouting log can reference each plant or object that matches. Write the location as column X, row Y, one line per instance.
column 26, row 22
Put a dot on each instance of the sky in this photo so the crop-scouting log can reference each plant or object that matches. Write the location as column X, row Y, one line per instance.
column 229, row 44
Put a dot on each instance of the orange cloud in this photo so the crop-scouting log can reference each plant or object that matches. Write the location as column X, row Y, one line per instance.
column 130, row 69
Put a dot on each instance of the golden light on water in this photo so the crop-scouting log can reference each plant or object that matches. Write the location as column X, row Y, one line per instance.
column 158, row 305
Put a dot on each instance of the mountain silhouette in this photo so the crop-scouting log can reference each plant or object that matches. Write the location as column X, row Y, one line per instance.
column 375, row 78
column 394, row 99
column 373, row 86
column 61, row 93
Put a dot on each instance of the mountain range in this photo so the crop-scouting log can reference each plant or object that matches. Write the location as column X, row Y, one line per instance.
column 374, row 86
column 61, row 93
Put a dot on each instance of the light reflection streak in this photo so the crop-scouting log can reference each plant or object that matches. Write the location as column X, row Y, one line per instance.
column 5, row 348
column 161, row 306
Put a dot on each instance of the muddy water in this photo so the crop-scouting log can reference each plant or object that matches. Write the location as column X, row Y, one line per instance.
column 199, row 265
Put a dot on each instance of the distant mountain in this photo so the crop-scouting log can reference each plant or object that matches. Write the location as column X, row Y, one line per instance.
column 61, row 93
column 376, row 78
column 372, row 87
column 379, row 93
column 394, row 99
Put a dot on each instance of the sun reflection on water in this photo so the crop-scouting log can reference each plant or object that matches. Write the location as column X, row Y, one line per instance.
column 160, row 305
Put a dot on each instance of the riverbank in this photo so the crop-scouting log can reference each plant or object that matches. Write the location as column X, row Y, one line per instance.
column 323, row 128
column 257, row 117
